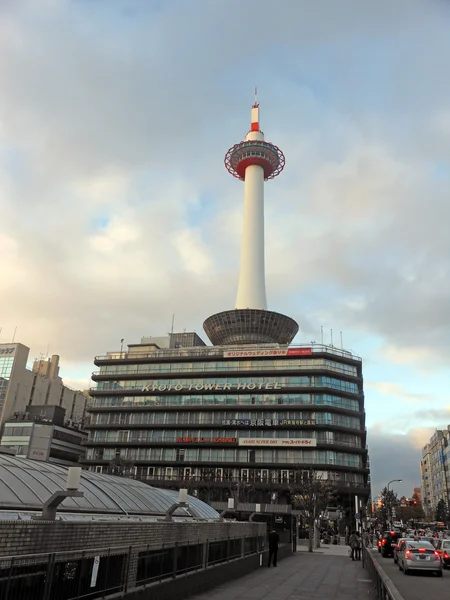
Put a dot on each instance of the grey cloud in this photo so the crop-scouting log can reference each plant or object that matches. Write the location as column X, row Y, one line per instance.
column 158, row 100
column 393, row 457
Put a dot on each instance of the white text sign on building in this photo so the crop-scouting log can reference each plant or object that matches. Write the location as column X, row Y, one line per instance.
column 268, row 442
column 268, row 352
column 204, row 387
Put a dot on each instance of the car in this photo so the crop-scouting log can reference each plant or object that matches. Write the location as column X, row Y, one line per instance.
column 398, row 547
column 418, row 555
column 388, row 539
column 443, row 549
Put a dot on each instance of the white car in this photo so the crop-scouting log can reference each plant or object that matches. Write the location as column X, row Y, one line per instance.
column 418, row 555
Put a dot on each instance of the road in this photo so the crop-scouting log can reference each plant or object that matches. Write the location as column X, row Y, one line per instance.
column 417, row 586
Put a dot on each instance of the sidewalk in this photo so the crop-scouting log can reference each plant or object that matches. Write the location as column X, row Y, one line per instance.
column 326, row 574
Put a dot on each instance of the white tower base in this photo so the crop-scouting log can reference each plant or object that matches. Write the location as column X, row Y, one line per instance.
column 252, row 287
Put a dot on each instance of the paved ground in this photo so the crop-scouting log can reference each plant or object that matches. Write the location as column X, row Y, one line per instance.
column 327, row 574
column 417, row 586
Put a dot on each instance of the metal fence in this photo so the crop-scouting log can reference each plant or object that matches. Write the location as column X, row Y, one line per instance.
column 385, row 589
column 96, row 573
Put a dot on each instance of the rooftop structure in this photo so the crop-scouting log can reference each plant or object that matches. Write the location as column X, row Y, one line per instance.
column 253, row 161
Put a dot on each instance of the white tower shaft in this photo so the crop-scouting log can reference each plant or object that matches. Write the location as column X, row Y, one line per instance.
column 252, row 284
column 252, row 278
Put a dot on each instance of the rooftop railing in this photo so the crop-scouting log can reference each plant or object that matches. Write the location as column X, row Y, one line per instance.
column 232, row 352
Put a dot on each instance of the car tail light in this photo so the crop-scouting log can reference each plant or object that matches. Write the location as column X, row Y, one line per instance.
column 445, row 555
column 422, row 550
column 408, row 553
column 437, row 554
column 383, row 541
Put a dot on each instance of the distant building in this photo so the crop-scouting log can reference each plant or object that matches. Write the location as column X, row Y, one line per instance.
column 21, row 387
column 41, row 433
column 434, row 469
column 418, row 493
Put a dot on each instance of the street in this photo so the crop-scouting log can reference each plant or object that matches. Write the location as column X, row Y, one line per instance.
column 417, row 586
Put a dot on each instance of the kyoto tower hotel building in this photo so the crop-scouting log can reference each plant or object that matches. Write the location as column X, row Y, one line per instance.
column 244, row 415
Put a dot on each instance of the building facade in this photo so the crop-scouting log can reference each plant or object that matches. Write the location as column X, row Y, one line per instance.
column 42, row 433
column 21, row 387
column 434, row 469
column 215, row 419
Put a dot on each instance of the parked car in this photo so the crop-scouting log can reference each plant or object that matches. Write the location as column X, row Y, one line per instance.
column 418, row 556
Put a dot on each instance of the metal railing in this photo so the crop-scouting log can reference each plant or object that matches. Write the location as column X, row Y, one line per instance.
column 174, row 368
column 97, row 573
column 199, row 351
column 385, row 589
column 212, row 479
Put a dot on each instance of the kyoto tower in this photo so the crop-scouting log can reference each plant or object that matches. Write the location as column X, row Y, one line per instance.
column 253, row 161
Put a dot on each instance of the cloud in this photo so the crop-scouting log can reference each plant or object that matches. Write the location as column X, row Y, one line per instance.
column 395, row 457
column 116, row 211
column 397, row 391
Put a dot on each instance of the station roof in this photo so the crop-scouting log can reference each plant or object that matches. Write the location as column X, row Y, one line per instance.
column 26, row 484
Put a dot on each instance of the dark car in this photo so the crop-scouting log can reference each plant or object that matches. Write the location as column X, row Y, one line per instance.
column 388, row 540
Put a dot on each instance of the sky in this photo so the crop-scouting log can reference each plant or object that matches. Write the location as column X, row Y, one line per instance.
column 116, row 211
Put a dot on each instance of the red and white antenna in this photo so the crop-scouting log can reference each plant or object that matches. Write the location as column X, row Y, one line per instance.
column 255, row 113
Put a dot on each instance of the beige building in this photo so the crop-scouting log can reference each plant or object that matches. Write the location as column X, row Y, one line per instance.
column 41, row 434
column 21, row 387
column 434, row 471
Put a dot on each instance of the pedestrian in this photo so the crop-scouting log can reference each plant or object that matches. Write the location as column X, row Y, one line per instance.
column 347, row 533
column 355, row 545
column 274, row 540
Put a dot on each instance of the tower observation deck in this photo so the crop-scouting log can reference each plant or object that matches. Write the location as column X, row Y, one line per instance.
column 253, row 161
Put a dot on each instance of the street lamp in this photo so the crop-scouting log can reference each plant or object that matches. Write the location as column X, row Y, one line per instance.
column 390, row 503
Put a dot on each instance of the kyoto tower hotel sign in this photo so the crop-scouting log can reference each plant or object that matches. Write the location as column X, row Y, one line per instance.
column 253, row 161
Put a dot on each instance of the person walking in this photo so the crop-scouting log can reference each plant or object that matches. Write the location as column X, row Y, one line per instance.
column 355, row 545
column 274, row 540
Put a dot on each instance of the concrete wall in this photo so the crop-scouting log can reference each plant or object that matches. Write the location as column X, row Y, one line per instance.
column 35, row 537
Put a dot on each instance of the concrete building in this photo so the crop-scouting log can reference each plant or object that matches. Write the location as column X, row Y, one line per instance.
column 21, row 387
column 223, row 420
column 248, row 415
column 42, row 433
column 434, row 469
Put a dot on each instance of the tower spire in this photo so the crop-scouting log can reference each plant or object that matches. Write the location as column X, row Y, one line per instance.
column 253, row 161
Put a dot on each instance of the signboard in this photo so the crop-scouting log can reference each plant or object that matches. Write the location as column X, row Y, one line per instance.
column 268, row 352
column 291, row 442
column 269, row 422
column 205, row 440
column 204, row 387
column 95, row 571
column 6, row 350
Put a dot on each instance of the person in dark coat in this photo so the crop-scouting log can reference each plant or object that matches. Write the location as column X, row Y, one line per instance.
column 274, row 540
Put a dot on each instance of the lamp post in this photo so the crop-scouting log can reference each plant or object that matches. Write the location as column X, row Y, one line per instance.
column 390, row 516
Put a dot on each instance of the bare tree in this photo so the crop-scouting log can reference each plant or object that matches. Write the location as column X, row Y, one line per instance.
column 309, row 495
column 121, row 467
